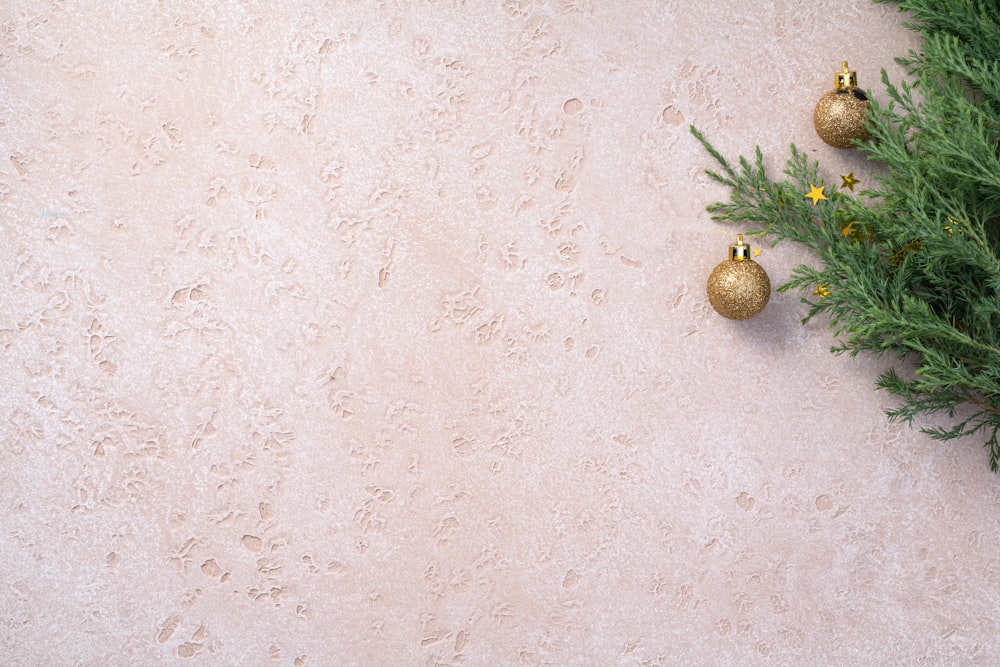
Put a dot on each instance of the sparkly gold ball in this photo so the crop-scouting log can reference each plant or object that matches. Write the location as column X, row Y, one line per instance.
column 739, row 289
column 840, row 116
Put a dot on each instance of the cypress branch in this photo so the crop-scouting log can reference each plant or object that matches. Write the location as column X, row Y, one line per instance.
column 909, row 266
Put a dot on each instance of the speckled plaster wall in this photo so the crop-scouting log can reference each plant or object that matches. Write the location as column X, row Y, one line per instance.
column 375, row 333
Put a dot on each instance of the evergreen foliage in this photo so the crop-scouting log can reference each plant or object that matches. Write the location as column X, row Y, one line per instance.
column 909, row 266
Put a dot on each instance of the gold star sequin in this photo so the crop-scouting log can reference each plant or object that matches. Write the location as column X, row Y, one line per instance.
column 854, row 234
column 898, row 256
column 816, row 193
column 822, row 291
column 756, row 252
column 849, row 182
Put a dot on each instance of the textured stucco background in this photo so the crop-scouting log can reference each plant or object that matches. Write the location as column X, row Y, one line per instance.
column 375, row 333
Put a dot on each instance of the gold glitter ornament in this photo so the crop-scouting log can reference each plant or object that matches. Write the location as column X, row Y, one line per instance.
column 840, row 114
column 739, row 288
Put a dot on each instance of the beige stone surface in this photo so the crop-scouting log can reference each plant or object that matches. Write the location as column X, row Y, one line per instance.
column 375, row 333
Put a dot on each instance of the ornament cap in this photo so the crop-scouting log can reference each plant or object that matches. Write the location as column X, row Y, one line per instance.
column 845, row 78
column 739, row 251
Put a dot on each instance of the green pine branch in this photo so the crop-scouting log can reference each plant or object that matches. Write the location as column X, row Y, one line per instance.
column 909, row 266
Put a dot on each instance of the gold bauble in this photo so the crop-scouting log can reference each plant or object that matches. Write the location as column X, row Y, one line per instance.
column 739, row 288
column 840, row 114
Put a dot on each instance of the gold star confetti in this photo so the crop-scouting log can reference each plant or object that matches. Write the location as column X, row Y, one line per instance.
column 898, row 256
column 822, row 291
column 849, row 182
column 756, row 252
column 816, row 193
column 854, row 234
column 953, row 226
